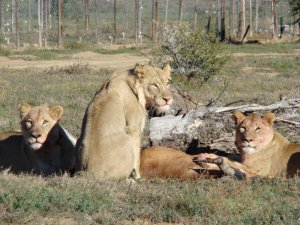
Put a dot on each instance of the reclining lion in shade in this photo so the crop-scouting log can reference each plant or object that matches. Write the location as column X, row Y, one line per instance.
column 109, row 144
column 42, row 147
column 264, row 152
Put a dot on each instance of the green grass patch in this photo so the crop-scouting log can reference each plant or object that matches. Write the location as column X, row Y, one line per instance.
column 263, row 48
column 75, row 45
column 4, row 51
column 131, row 50
column 45, row 54
column 171, row 201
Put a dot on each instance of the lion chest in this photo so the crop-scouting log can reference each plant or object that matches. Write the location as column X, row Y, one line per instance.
column 135, row 115
column 47, row 161
column 267, row 165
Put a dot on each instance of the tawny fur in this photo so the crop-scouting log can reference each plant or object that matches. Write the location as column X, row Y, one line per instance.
column 109, row 144
column 170, row 163
column 264, row 152
column 52, row 150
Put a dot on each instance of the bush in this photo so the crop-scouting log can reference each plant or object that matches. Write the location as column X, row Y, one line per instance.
column 194, row 54
column 2, row 39
column 74, row 45
column 4, row 51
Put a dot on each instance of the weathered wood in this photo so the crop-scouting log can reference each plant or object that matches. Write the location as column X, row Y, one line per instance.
column 193, row 130
column 208, row 127
column 284, row 104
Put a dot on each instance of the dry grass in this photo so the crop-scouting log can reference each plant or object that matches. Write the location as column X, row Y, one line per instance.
column 252, row 78
column 86, row 200
column 72, row 87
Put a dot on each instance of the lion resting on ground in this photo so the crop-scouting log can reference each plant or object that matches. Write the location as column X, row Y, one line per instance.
column 170, row 163
column 263, row 151
column 109, row 144
column 42, row 147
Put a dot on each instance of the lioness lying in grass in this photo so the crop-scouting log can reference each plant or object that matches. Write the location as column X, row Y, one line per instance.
column 264, row 152
column 42, row 147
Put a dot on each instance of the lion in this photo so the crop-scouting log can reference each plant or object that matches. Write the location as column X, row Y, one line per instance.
column 41, row 147
column 171, row 163
column 263, row 151
column 109, row 144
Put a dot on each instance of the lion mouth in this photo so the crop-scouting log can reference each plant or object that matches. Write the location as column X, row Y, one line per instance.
column 163, row 108
column 36, row 145
column 248, row 148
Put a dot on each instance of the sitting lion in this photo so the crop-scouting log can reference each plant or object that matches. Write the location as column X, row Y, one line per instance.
column 42, row 147
column 109, row 144
column 170, row 163
column 263, row 151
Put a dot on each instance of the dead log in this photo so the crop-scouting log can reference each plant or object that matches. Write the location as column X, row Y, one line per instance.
column 208, row 127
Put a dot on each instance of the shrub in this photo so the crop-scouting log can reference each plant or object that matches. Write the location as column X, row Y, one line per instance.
column 194, row 54
column 74, row 45
column 4, row 51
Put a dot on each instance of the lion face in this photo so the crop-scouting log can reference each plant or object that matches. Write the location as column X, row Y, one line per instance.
column 155, row 84
column 38, row 123
column 253, row 132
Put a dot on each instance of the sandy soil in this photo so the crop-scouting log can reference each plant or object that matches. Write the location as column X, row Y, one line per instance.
column 93, row 59
column 118, row 61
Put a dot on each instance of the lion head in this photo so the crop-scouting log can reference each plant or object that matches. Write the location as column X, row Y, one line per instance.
column 253, row 132
column 38, row 124
column 155, row 82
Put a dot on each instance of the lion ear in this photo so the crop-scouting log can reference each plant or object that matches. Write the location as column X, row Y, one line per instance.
column 24, row 108
column 139, row 70
column 167, row 71
column 269, row 118
column 56, row 112
column 238, row 117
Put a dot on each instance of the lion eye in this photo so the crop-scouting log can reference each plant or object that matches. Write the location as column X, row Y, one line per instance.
column 257, row 129
column 45, row 122
column 242, row 129
column 155, row 85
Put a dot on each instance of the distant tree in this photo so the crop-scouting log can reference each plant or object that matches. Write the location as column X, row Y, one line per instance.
column 2, row 15
column 180, row 10
column 13, row 16
column 242, row 19
column 295, row 9
column 275, row 24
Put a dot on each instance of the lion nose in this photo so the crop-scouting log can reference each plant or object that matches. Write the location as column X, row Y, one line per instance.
column 248, row 139
column 167, row 99
column 35, row 135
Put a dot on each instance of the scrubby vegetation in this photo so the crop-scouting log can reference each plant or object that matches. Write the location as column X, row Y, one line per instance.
column 194, row 54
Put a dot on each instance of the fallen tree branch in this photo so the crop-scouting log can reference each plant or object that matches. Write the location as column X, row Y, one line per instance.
column 209, row 127
column 297, row 124
column 284, row 104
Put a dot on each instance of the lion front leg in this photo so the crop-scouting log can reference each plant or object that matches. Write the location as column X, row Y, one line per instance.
column 134, row 127
column 136, row 137
column 229, row 167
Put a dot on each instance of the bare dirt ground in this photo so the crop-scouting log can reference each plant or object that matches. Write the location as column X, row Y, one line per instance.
column 95, row 60
column 118, row 61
